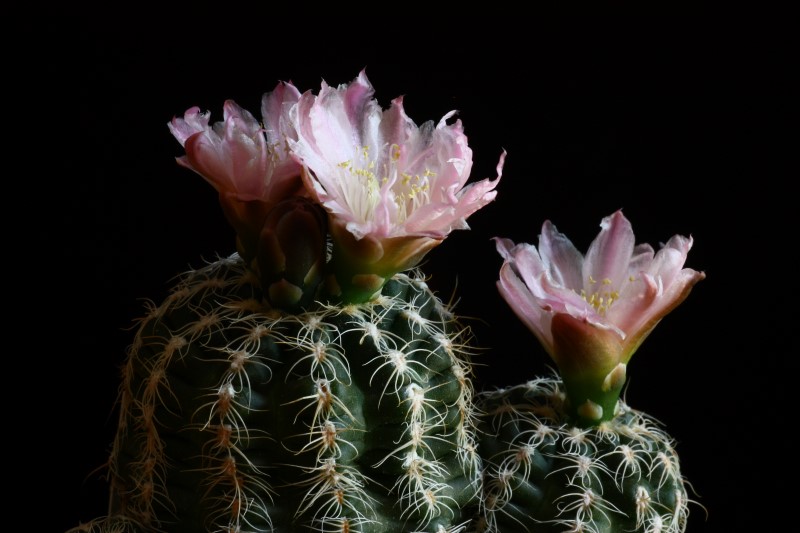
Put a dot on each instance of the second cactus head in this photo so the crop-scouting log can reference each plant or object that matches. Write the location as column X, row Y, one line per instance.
column 566, row 453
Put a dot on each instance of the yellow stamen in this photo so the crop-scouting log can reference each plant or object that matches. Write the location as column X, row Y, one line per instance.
column 600, row 300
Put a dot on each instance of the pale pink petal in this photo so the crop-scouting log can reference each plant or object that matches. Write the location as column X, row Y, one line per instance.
column 276, row 107
column 357, row 98
column 193, row 121
column 527, row 264
column 561, row 258
column 636, row 305
column 525, row 306
column 397, row 128
column 610, row 253
column 641, row 259
column 669, row 260
column 243, row 154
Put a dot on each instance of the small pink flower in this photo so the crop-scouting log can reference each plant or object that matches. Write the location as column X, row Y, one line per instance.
column 393, row 189
column 592, row 312
column 246, row 162
column 239, row 156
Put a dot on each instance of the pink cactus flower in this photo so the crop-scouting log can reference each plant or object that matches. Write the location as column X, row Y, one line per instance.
column 239, row 156
column 592, row 312
column 393, row 190
column 248, row 163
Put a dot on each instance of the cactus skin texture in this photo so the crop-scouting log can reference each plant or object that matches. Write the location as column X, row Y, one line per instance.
column 236, row 417
column 544, row 474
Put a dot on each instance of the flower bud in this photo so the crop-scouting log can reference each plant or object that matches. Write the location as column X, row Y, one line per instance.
column 292, row 251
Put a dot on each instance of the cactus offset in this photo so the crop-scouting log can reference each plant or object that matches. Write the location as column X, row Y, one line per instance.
column 565, row 453
column 311, row 381
column 544, row 473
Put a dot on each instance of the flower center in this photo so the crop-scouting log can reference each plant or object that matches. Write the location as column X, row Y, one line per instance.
column 366, row 185
column 603, row 297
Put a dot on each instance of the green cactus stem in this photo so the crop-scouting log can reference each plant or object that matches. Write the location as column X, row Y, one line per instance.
column 238, row 417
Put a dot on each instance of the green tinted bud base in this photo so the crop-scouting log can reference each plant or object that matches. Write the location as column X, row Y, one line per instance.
column 592, row 400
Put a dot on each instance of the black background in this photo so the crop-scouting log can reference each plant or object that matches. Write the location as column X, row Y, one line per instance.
column 676, row 119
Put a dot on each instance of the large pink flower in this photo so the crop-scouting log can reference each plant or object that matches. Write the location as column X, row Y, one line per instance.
column 393, row 189
column 592, row 312
column 248, row 163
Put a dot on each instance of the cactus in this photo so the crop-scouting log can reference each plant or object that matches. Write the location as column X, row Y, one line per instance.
column 565, row 453
column 544, row 473
column 236, row 417
column 310, row 381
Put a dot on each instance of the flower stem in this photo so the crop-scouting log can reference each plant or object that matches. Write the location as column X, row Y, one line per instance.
column 593, row 399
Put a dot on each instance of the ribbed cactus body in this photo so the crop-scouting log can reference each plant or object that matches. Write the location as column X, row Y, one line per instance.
column 543, row 474
column 239, row 418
